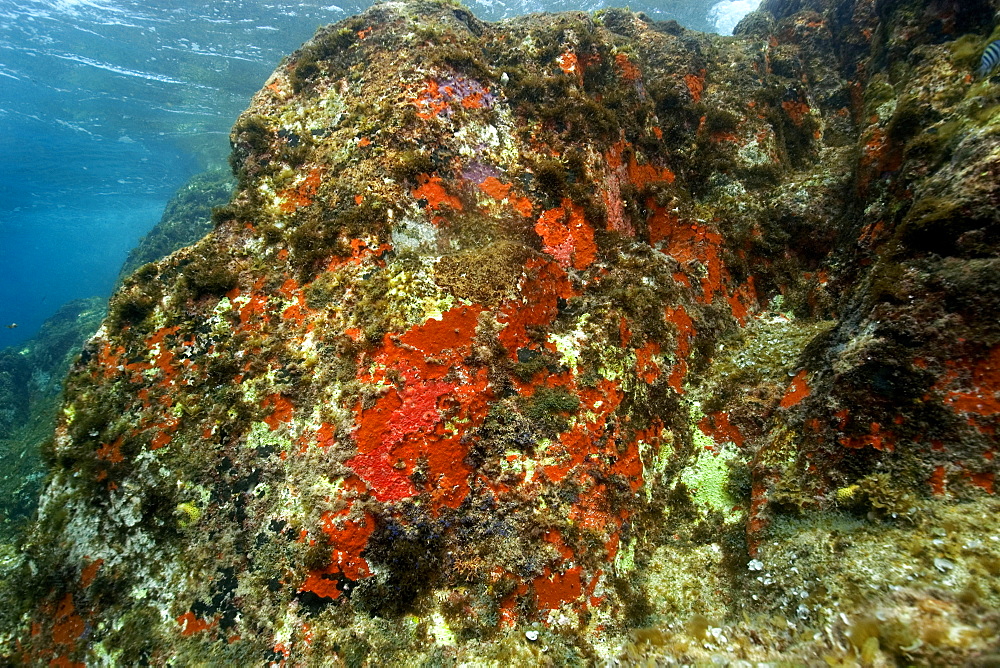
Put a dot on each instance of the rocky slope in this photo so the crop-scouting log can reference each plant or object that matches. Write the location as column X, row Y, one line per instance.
column 31, row 377
column 558, row 340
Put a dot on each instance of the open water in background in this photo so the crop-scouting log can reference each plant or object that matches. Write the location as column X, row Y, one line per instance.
column 108, row 106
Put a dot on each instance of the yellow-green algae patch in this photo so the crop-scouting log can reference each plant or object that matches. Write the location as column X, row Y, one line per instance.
column 707, row 478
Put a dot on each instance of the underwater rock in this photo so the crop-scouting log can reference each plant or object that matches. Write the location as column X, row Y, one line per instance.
column 556, row 325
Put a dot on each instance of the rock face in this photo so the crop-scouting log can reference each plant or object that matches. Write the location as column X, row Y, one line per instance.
column 654, row 344
column 31, row 375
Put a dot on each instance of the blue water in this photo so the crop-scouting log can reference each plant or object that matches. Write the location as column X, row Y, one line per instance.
column 108, row 106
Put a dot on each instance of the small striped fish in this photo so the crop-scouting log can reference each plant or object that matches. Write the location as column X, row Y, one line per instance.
column 991, row 57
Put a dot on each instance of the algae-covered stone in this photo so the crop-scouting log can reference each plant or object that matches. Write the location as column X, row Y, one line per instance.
column 572, row 324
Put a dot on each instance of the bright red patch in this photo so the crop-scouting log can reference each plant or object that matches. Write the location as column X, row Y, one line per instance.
column 283, row 410
column 568, row 62
column 89, row 572
column 645, row 366
column 567, row 236
column 718, row 426
column 797, row 390
column 876, row 438
column 190, row 624
column 983, row 480
column 628, row 69
column 431, row 189
column 937, row 481
column 405, row 428
column 685, row 332
column 301, row 195
column 554, row 589
column 695, row 85
column 111, row 452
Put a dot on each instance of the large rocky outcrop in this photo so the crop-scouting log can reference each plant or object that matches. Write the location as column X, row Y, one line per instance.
column 561, row 339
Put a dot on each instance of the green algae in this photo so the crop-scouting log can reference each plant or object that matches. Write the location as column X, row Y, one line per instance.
column 549, row 409
column 187, row 217
column 790, row 584
column 262, row 438
column 132, row 306
column 208, row 277
column 708, row 477
column 188, row 514
column 485, row 276
column 766, row 353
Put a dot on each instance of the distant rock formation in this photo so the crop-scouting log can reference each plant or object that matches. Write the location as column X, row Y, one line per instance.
column 186, row 218
column 31, row 377
column 560, row 340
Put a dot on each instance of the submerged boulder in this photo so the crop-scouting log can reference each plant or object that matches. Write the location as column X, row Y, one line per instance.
column 559, row 339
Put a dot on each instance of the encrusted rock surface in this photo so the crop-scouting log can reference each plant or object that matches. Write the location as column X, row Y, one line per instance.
column 31, row 374
column 658, row 345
